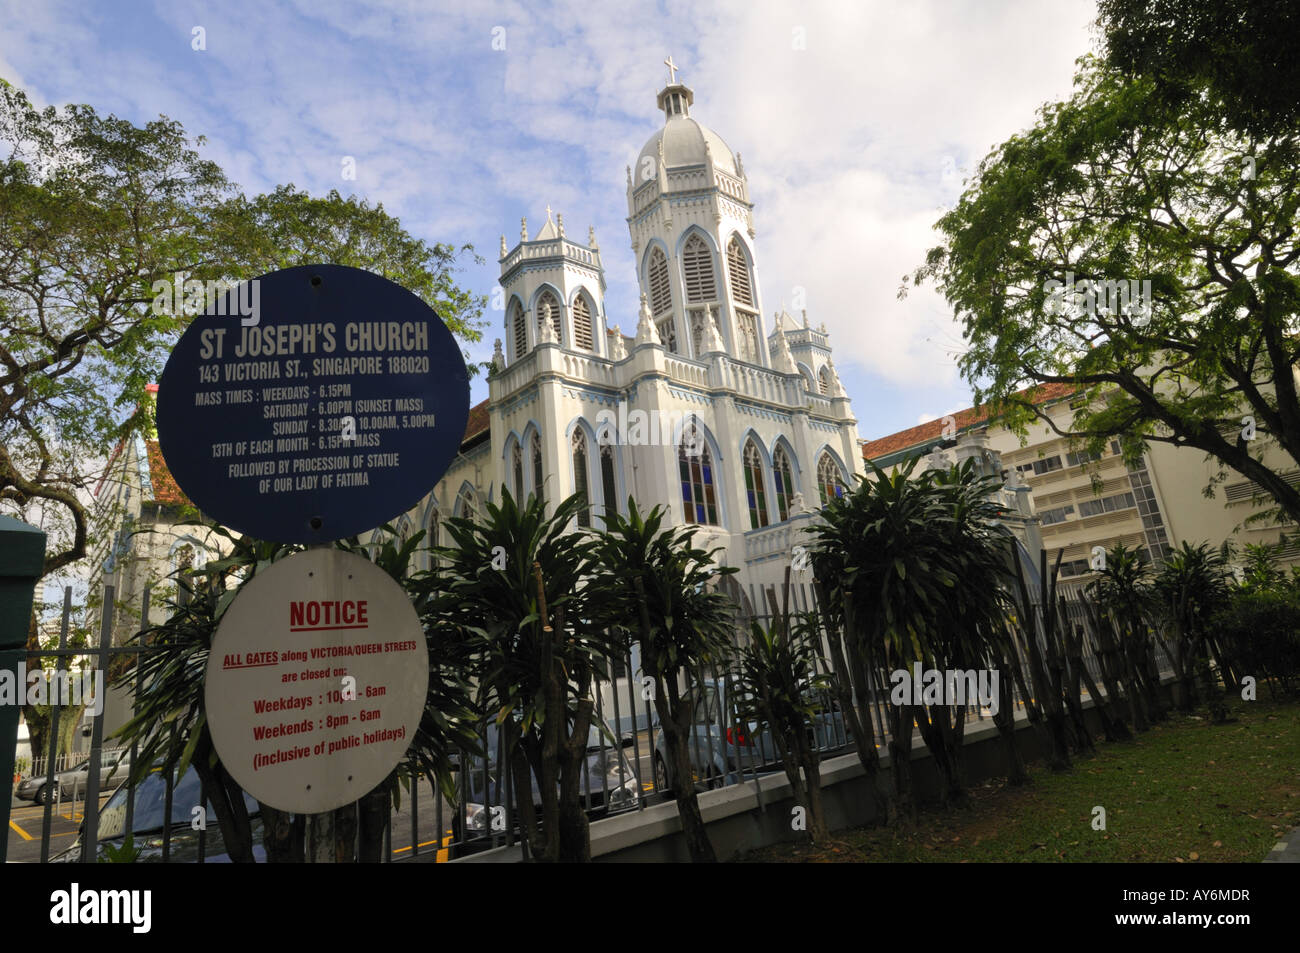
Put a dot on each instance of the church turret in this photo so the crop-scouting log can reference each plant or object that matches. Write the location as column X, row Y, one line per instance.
column 695, row 260
column 554, row 291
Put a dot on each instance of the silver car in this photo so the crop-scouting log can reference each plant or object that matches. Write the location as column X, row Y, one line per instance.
column 114, row 768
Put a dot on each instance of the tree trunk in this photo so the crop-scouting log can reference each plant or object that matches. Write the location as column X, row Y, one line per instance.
column 277, row 837
column 227, row 801
column 373, row 813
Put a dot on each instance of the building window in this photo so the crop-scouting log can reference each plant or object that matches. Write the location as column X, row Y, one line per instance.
column 431, row 531
column 521, row 330
column 517, row 468
column 661, row 293
column 695, row 463
column 697, row 320
column 608, row 485
column 738, row 269
column 537, row 466
column 466, row 504
column 783, row 473
column 581, row 323
column 1080, row 458
column 579, row 444
column 824, row 382
column 668, row 334
column 829, row 481
column 748, row 323
column 1039, row 467
column 697, row 268
column 755, row 494
column 548, row 309
column 1107, row 504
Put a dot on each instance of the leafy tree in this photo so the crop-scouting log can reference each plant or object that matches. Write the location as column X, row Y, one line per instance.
column 1116, row 186
column 657, row 588
column 94, row 211
column 1240, row 53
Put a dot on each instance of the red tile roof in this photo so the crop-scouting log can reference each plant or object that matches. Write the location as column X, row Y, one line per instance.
column 931, row 429
column 165, row 489
column 479, row 420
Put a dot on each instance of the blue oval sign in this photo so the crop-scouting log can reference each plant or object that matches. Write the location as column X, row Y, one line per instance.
column 312, row 404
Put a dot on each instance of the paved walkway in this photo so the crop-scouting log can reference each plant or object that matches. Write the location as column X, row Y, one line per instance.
column 1287, row 850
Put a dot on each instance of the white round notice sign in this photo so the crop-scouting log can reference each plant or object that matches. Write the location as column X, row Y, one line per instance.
column 316, row 681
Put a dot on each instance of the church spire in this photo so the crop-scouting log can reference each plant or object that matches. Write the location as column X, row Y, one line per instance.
column 676, row 98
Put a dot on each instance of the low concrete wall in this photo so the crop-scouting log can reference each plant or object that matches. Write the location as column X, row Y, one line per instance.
column 756, row 814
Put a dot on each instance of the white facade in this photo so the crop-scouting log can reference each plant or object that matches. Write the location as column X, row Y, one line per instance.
column 703, row 387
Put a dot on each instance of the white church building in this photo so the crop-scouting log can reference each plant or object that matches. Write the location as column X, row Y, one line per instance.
column 735, row 425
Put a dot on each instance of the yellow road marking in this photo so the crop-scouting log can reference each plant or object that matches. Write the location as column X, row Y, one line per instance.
column 21, row 833
column 443, row 855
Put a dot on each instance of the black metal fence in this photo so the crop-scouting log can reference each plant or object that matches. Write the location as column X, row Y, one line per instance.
column 626, row 769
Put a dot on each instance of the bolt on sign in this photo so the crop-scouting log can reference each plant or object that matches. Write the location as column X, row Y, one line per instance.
column 316, row 681
column 331, row 408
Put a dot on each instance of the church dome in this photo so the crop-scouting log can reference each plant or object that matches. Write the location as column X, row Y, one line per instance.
column 684, row 143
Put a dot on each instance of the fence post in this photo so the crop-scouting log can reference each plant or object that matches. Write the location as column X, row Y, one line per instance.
column 90, row 841
column 52, row 787
column 22, row 557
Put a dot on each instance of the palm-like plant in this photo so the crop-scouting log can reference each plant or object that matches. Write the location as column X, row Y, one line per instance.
column 1123, row 593
column 513, row 589
column 778, row 685
column 914, row 563
column 1192, row 586
column 680, row 620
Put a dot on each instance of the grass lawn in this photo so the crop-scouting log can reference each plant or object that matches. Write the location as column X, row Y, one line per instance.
column 1184, row 791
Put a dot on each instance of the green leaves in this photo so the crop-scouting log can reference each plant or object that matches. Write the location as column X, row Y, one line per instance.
column 1119, row 184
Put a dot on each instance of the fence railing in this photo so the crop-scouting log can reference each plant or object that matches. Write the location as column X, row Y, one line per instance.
column 626, row 768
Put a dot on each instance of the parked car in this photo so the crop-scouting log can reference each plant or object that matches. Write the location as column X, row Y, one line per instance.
column 724, row 749
column 609, row 782
column 114, row 767
column 148, row 823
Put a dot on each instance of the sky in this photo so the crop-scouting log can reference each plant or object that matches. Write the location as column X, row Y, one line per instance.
column 857, row 122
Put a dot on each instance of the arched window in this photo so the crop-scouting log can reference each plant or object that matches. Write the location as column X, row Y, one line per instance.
column 548, row 309
column 466, row 503
column 784, row 475
column 431, row 531
column 661, row 293
column 580, row 487
column 829, row 480
column 697, row 268
column 538, row 476
column 520, row 330
column 581, row 323
column 608, row 485
column 824, row 382
column 695, row 463
column 668, row 334
column 517, row 469
column 742, row 288
column 755, row 493
column 748, row 324
column 183, row 565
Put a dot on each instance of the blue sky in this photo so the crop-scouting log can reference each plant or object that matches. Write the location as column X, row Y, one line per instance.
column 855, row 121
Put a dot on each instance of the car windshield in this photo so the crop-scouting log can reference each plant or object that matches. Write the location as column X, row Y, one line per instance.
column 151, row 802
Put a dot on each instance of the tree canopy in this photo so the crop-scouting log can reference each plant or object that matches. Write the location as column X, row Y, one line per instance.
column 93, row 211
column 1119, row 190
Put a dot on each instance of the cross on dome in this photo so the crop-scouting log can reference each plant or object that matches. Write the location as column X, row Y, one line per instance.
column 672, row 70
